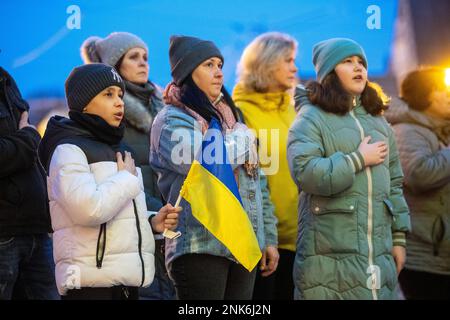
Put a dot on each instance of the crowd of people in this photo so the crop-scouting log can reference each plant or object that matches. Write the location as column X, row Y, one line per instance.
column 348, row 194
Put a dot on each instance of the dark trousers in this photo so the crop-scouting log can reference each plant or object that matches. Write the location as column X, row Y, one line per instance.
column 27, row 270
column 417, row 285
column 113, row 293
column 280, row 284
column 208, row 277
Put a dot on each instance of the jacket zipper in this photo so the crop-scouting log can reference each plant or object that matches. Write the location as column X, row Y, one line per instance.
column 101, row 246
column 138, row 227
column 369, row 216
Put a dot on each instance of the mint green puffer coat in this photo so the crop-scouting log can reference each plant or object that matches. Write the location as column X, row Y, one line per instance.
column 347, row 213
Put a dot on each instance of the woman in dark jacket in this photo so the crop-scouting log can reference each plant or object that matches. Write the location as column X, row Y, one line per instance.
column 421, row 122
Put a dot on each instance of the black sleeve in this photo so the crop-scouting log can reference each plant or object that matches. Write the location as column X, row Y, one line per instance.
column 18, row 151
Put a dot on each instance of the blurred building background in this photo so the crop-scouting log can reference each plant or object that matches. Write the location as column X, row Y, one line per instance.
column 421, row 38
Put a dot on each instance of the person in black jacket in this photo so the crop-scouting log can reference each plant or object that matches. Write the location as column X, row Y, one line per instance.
column 26, row 261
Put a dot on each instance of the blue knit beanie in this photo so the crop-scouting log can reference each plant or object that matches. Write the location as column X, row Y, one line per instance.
column 329, row 53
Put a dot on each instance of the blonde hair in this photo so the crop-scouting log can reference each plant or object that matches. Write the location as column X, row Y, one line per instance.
column 379, row 89
column 257, row 63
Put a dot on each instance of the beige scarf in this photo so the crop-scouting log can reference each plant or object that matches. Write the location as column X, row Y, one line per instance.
column 172, row 95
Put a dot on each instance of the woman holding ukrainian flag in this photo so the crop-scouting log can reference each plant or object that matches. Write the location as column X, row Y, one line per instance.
column 206, row 160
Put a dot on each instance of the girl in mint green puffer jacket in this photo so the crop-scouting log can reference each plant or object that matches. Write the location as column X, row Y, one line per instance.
column 343, row 157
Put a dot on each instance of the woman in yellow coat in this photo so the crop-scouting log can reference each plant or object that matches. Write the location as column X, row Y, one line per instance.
column 267, row 72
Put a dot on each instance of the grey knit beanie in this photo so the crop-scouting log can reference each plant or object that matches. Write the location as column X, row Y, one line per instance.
column 110, row 49
column 86, row 81
column 186, row 53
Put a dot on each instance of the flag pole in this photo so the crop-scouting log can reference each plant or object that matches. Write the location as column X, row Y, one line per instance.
column 178, row 200
column 169, row 233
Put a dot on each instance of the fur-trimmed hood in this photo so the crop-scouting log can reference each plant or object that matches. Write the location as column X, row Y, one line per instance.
column 399, row 112
column 139, row 115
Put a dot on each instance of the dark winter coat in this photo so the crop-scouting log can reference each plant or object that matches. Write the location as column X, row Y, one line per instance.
column 23, row 192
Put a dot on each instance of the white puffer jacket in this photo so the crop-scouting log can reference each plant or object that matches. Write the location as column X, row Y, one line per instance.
column 83, row 196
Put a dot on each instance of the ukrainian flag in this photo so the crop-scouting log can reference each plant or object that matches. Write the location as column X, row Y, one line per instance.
column 212, row 192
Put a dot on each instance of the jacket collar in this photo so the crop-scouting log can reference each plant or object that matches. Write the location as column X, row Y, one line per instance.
column 399, row 112
column 265, row 101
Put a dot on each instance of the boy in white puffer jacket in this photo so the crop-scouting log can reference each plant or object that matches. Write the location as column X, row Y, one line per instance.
column 103, row 242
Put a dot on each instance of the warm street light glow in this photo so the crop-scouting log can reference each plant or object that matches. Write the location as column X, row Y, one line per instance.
column 447, row 76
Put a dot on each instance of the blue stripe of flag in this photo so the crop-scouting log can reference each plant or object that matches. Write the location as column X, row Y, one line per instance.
column 221, row 167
